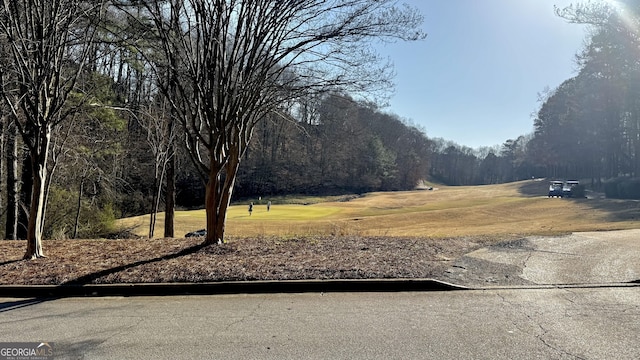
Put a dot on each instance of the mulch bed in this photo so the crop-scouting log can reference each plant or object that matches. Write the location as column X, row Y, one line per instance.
column 186, row 260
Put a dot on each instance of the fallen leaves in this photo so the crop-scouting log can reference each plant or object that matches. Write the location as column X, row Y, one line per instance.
column 186, row 260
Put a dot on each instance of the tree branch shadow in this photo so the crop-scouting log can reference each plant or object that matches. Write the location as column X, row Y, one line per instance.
column 14, row 305
column 10, row 262
column 90, row 278
column 534, row 188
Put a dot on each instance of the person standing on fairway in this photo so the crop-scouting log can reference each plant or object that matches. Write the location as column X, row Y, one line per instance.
column 250, row 208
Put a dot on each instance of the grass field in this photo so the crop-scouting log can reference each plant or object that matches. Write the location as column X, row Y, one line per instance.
column 413, row 234
column 504, row 210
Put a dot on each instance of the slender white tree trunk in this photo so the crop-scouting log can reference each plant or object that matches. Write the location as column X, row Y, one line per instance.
column 39, row 156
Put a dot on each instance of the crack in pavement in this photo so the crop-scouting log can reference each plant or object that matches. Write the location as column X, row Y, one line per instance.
column 541, row 336
column 242, row 319
column 525, row 261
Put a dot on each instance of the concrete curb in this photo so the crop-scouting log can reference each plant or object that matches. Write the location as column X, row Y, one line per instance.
column 229, row 287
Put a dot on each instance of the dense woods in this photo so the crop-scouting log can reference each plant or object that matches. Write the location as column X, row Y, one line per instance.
column 120, row 111
column 338, row 145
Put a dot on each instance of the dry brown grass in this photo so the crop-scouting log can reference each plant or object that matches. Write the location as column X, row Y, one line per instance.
column 520, row 208
column 414, row 234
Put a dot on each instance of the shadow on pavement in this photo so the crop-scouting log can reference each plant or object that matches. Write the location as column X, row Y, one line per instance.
column 14, row 305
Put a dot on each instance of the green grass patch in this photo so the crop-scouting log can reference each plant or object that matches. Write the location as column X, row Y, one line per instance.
column 296, row 200
column 279, row 212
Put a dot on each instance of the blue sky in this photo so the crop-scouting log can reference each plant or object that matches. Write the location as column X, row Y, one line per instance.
column 475, row 79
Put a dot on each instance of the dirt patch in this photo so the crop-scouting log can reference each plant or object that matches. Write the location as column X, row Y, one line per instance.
column 186, row 260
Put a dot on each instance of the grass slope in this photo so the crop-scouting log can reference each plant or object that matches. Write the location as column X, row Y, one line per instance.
column 504, row 210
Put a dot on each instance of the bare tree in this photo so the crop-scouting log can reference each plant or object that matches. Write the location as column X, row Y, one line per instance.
column 233, row 62
column 160, row 137
column 13, row 195
column 170, row 191
column 48, row 42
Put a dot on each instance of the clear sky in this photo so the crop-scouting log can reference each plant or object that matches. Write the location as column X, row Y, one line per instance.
column 475, row 79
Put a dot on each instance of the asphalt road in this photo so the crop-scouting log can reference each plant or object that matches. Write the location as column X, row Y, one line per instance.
column 573, row 297
column 568, row 323
column 587, row 258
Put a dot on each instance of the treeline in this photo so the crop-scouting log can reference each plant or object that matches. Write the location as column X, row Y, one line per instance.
column 587, row 128
column 454, row 164
column 334, row 145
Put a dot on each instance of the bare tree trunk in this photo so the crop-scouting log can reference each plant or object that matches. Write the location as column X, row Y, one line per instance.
column 36, row 211
column 76, row 224
column 170, row 192
column 13, row 199
column 3, row 142
column 34, row 231
column 158, row 180
column 170, row 196
column 218, row 198
column 26, row 188
column 154, row 207
column 215, row 218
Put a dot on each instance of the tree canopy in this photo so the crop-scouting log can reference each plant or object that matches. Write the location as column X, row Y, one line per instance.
column 232, row 64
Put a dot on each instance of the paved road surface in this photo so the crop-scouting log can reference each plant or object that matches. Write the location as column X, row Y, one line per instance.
column 581, row 258
column 580, row 323
column 559, row 322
